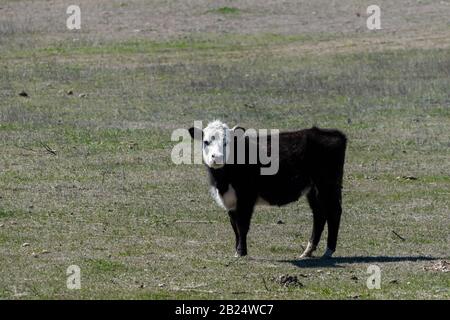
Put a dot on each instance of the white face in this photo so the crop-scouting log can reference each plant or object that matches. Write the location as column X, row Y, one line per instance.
column 215, row 140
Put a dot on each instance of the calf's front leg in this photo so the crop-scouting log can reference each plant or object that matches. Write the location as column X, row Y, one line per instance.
column 232, row 215
column 243, row 215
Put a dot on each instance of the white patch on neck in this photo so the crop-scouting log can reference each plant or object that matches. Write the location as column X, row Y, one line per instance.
column 227, row 200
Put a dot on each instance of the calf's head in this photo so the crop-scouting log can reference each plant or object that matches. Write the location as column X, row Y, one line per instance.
column 216, row 138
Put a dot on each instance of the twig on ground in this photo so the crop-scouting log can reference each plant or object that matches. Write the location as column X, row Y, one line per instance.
column 48, row 149
column 193, row 289
column 399, row 236
column 26, row 148
column 265, row 284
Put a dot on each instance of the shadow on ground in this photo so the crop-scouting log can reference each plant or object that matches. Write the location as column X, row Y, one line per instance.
column 336, row 262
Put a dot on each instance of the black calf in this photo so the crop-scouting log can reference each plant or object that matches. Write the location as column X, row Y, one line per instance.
column 310, row 161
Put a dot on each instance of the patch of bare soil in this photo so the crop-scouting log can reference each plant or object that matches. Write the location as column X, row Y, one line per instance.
column 288, row 281
column 440, row 266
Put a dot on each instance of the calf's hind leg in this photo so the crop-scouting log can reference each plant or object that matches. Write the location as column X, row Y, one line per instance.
column 334, row 211
column 319, row 219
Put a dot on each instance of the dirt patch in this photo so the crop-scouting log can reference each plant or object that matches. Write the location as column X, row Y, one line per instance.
column 440, row 266
column 288, row 281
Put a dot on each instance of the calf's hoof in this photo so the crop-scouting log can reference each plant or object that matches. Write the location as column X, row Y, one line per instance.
column 328, row 254
column 310, row 248
column 240, row 253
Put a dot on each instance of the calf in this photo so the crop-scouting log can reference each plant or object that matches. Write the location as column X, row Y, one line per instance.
column 310, row 161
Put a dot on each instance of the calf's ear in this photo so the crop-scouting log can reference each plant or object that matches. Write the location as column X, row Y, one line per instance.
column 238, row 131
column 196, row 133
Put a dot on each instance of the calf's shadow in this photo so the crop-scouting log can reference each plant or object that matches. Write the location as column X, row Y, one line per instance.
column 339, row 262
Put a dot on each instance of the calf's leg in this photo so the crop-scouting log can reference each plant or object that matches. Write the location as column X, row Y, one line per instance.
column 333, row 219
column 243, row 217
column 232, row 215
column 319, row 220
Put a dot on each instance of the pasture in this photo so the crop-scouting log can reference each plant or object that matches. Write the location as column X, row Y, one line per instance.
column 86, row 176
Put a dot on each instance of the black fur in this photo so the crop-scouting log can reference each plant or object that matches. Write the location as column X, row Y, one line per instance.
column 310, row 160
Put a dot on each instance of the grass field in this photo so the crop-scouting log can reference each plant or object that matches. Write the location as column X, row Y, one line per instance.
column 86, row 176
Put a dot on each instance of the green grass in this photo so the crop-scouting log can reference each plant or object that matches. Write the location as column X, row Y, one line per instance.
column 104, row 266
column 203, row 44
column 112, row 201
column 226, row 10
